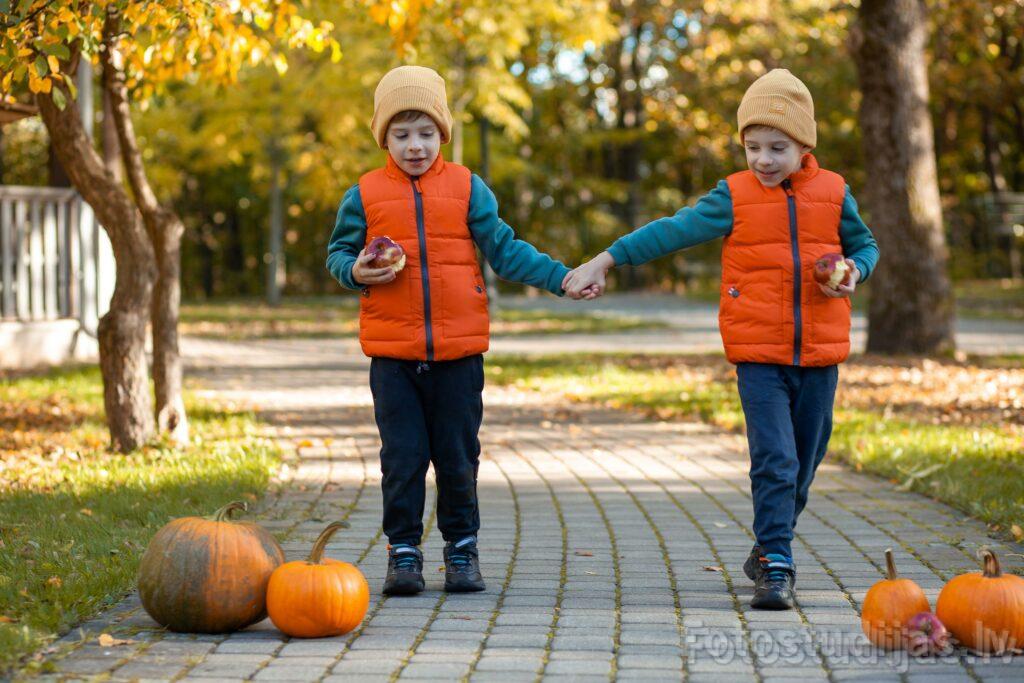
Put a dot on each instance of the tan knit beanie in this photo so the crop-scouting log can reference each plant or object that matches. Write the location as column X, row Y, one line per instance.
column 780, row 100
column 414, row 88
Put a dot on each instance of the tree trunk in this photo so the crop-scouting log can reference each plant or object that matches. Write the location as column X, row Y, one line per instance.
column 275, row 265
column 164, row 229
column 911, row 308
column 122, row 331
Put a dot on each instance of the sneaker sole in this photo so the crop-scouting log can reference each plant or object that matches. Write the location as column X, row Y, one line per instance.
column 773, row 605
column 405, row 589
column 464, row 588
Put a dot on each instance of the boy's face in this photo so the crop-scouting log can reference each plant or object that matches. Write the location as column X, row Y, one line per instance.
column 414, row 144
column 771, row 154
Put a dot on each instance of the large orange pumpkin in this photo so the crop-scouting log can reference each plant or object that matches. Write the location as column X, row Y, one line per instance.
column 318, row 597
column 889, row 605
column 208, row 575
column 984, row 610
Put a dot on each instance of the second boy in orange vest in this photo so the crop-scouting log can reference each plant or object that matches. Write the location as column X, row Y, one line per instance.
column 426, row 326
column 785, row 333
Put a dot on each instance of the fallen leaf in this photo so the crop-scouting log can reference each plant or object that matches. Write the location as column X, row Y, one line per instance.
column 86, row 511
column 710, row 568
column 107, row 640
column 721, row 525
column 305, row 443
column 4, row 619
column 584, row 553
column 54, row 581
column 1017, row 532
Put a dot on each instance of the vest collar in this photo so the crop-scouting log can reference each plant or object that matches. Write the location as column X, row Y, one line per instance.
column 395, row 171
column 808, row 169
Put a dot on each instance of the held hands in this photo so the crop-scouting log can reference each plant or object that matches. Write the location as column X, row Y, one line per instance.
column 588, row 281
column 843, row 290
column 365, row 275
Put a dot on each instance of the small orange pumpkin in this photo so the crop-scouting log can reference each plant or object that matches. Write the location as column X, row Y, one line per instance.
column 208, row 575
column 889, row 605
column 318, row 597
column 984, row 610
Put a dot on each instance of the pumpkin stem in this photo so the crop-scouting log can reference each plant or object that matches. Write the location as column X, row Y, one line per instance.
column 317, row 553
column 225, row 512
column 992, row 568
column 890, row 565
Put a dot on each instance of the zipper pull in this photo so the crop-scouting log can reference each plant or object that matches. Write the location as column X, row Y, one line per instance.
column 787, row 186
column 416, row 184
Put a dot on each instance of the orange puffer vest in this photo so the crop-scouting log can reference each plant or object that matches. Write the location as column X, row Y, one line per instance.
column 436, row 309
column 771, row 310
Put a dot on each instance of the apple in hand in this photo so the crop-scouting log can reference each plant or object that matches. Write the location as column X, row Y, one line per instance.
column 386, row 254
column 832, row 270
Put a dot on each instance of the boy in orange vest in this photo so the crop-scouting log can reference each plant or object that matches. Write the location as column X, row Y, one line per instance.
column 785, row 333
column 425, row 325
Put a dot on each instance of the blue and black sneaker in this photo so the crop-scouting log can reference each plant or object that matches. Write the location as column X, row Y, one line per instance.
column 774, row 585
column 462, row 567
column 752, row 566
column 405, row 570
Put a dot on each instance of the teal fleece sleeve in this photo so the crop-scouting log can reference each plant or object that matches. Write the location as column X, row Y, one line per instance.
column 858, row 243
column 512, row 259
column 348, row 238
column 709, row 219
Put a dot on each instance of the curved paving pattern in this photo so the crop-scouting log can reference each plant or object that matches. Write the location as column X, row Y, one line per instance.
column 612, row 546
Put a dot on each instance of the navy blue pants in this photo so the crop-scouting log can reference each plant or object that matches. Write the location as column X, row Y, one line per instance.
column 428, row 416
column 788, row 410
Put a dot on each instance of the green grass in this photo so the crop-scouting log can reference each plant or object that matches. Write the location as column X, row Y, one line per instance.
column 990, row 299
column 75, row 518
column 330, row 317
column 975, row 464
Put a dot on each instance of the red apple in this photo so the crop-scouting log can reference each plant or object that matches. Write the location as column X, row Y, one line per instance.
column 386, row 254
column 832, row 270
column 925, row 635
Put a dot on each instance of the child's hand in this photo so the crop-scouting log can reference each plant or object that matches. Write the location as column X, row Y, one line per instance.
column 844, row 290
column 365, row 275
column 588, row 281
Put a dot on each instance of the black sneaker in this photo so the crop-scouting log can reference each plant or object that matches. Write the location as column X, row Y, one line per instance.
column 405, row 570
column 752, row 567
column 462, row 567
column 773, row 588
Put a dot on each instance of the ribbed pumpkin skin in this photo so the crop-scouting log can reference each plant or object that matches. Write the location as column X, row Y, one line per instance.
column 204, row 576
column 984, row 610
column 317, row 600
column 888, row 607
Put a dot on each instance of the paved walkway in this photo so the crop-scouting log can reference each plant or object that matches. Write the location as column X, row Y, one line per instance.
column 612, row 548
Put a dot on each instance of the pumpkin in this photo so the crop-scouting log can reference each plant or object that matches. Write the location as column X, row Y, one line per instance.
column 208, row 574
column 320, row 596
column 984, row 610
column 889, row 606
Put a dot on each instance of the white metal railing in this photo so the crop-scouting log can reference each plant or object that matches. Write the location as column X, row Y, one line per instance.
column 50, row 252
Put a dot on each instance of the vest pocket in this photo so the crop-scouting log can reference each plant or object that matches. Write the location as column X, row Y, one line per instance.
column 828, row 318
column 463, row 305
column 385, row 311
column 751, row 308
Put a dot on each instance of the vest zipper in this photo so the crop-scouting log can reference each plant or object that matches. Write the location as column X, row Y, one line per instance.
column 794, row 241
column 424, row 270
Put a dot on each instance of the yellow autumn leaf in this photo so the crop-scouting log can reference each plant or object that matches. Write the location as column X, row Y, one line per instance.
column 54, row 64
column 280, row 64
column 1017, row 532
